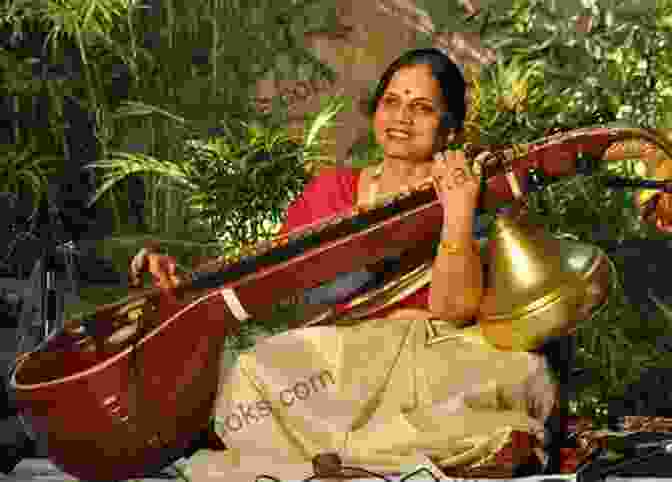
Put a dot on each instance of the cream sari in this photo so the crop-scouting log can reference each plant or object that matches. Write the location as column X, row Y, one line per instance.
column 379, row 392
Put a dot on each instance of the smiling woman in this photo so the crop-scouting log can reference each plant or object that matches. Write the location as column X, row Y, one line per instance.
column 393, row 393
column 406, row 120
column 412, row 118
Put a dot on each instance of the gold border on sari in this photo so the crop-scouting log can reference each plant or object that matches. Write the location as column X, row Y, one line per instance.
column 368, row 304
column 373, row 301
column 391, row 292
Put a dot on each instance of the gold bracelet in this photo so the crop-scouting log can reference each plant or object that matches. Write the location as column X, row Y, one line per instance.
column 455, row 248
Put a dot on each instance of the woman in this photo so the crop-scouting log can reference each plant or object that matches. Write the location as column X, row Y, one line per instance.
column 376, row 393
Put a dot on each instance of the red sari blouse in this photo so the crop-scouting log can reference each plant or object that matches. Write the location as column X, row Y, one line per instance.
column 332, row 192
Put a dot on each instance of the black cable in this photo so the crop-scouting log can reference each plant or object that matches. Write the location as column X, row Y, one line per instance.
column 340, row 474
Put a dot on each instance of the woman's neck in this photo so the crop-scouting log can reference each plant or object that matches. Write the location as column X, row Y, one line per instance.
column 400, row 172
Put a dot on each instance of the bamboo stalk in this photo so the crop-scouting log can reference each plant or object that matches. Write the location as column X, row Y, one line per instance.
column 213, row 58
column 154, row 202
column 170, row 13
column 18, row 138
column 131, row 32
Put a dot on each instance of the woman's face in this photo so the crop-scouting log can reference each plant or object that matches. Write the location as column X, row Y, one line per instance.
column 406, row 121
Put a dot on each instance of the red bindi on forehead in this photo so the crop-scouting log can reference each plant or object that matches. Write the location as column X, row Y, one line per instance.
column 416, row 83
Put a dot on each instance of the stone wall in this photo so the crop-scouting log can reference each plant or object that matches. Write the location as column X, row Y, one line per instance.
column 371, row 34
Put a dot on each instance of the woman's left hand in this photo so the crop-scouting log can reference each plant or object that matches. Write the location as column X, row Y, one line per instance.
column 456, row 186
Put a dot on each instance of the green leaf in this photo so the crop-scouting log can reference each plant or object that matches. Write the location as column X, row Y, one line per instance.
column 323, row 119
column 567, row 8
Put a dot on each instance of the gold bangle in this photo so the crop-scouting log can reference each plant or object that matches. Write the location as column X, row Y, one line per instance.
column 455, row 248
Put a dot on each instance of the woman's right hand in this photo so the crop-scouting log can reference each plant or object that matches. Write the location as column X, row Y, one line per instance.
column 160, row 266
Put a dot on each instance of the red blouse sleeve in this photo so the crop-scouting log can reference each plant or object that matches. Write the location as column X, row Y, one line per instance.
column 331, row 192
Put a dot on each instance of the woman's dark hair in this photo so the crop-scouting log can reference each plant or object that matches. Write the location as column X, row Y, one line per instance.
column 444, row 70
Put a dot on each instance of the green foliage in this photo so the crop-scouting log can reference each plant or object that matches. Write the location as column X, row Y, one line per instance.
column 548, row 75
column 514, row 104
column 236, row 185
column 581, row 208
column 565, row 76
column 225, row 81
column 181, row 58
column 366, row 152
column 85, row 21
column 25, row 171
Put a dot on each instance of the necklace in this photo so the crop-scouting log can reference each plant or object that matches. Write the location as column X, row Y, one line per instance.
column 375, row 185
column 378, row 171
column 373, row 190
